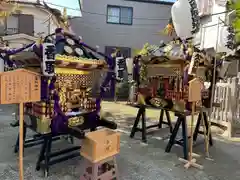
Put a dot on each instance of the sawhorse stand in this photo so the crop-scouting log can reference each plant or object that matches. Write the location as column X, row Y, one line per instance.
column 197, row 129
column 181, row 120
column 48, row 158
column 142, row 115
column 37, row 139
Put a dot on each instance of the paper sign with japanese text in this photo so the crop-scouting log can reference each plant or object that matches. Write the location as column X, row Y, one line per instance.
column 19, row 86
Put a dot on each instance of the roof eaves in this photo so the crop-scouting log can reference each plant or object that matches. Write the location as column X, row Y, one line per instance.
column 26, row 2
column 32, row 3
column 55, row 12
column 153, row 2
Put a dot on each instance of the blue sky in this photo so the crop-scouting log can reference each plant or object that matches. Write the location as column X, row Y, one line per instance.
column 68, row 3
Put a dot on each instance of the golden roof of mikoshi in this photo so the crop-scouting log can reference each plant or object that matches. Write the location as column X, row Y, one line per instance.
column 75, row 59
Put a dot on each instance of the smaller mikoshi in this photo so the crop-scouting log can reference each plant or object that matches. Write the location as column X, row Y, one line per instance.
column 164, row 72
column 171, row 77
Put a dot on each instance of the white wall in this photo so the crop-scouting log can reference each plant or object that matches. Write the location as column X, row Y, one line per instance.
column 96, row 31
column 207, row 36
column 40, row 16
column 209, row 40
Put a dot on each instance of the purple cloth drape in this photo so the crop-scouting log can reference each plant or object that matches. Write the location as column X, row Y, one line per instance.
column 109, row 77
column 60, row 121
column 44, row 88
column 15, row 51
column 185, row 77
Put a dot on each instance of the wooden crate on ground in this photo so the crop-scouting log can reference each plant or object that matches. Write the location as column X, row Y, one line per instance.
column 99, row 148
column 100, row 144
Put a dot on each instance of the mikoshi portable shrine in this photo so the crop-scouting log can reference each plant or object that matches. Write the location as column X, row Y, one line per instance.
column 72, row 77
column 170, row 77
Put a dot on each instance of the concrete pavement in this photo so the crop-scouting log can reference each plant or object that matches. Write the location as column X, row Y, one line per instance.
column 136, row 161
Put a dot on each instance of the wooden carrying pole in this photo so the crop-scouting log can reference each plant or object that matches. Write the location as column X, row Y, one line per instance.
column 21, row 172
column 191, row 139
column 191, row 161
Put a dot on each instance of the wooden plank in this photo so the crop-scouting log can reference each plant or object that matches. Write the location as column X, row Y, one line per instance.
column 222, row 125
column 19, row 86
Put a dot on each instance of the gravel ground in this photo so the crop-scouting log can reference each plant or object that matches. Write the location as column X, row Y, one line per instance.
column 136, row 161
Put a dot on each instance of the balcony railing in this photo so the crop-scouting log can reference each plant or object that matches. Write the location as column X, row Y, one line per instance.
column 11, row 31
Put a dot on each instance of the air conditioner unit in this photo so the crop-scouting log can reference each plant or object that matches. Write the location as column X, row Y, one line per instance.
column 230, row 17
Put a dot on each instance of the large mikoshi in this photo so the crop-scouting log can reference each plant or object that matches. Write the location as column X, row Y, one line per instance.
column 69, row 70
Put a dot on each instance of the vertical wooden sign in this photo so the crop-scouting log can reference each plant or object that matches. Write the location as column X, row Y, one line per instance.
column 18, row 87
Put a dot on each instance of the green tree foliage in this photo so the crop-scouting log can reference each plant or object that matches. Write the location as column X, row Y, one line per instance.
column 235, row 5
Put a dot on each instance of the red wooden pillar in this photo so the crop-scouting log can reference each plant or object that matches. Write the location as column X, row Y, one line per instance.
column 166, row 85
column 154, row 86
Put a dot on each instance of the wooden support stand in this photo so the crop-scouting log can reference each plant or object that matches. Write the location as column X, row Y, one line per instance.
column 207, row 136
column 102, row 170
column 194, row 96
column 181, row 121
column 141, row 116
column 202, row 119
column 99, row 148
column 191, row 161
column 21, row 127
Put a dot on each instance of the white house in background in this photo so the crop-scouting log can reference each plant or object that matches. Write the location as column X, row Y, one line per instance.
column 212, row 15
column 213, row 33
column 27, row 23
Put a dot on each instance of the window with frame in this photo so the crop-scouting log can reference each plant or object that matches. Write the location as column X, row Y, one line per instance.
column 19, row 23
column 119, row 15
column 12, row 24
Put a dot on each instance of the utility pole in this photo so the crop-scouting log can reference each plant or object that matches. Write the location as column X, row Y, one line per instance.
column 49, row 24
column 48, row 21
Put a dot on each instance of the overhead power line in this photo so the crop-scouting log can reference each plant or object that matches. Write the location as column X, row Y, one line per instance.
column 104, row 14
column 140, row 18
